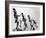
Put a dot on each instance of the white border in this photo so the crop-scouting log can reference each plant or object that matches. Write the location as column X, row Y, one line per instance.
column 26, row 32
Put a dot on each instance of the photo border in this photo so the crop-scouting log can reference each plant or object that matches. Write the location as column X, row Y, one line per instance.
column 7, row 18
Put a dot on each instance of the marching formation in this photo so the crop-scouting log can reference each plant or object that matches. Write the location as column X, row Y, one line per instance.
column 24, row 24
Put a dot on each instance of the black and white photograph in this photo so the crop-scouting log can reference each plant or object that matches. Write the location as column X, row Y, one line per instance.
column 25, row 19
